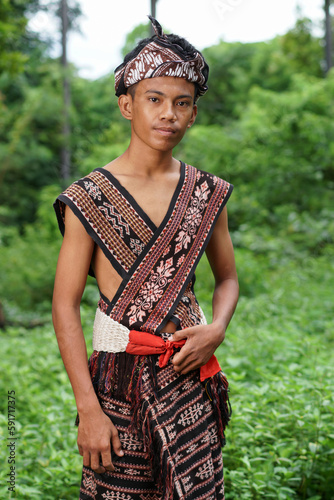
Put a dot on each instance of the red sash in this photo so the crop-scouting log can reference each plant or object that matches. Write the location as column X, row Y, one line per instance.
column 143, row 343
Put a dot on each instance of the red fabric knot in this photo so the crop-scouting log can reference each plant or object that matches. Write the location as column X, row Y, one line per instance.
column 144, row 343
column 169, row 349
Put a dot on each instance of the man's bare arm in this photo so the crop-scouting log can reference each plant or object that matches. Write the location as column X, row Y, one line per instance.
column 202, row 341
column 95, row 429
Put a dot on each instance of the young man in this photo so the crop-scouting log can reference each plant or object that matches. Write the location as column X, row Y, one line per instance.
column 152, row 405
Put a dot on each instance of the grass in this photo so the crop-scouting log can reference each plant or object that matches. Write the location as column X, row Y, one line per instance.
column 279, row 359
column 278, row 356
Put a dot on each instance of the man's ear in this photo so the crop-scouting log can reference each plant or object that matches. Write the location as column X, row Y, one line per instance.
column 125, row 105
column 193, row 117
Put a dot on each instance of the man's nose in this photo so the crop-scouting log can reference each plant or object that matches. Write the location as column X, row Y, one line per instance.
column 168, row 112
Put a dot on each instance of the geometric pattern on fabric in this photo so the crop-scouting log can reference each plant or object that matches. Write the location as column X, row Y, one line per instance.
column 157, row 264
column 161, row 276
column 108, row 217
column 161, row 56
column 185, row 437
column 175, row 422
column 158, row 59
column 187, row 311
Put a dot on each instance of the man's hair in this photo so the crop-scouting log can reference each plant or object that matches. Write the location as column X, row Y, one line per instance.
column 184, row 47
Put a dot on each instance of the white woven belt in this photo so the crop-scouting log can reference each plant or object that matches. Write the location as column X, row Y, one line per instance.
column 108, row 334
column 111, row 336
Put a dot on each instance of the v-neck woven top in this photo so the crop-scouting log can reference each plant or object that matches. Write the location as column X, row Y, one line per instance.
column 157, row 264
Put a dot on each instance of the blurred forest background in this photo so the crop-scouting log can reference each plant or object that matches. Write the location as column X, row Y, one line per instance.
column 267, row 126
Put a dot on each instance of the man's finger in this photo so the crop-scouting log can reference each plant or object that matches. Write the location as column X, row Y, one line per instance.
column 181, row 356
column 178, row 335
column 183, row 363
column 86, row 459
column 116, row 443
column 189, row 367
column 95, row 463
column 106, row 460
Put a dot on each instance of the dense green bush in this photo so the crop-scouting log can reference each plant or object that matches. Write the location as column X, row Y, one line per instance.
column 28, row 260
column 280, row 361
column 280, row 152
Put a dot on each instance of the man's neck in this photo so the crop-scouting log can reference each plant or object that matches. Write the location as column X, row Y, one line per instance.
column 147, row 162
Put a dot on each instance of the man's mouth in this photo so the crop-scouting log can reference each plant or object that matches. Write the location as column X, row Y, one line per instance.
column 165, row 130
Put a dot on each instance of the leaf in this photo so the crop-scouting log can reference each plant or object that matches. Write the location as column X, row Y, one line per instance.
column 313, row 448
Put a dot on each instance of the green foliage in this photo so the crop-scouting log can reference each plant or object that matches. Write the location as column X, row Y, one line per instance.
column 12, row 32
column 229, row 83
column 270, row 68
column 304, row 52
column 286, row 147
column 278, row 357
column 27, row 261
column 19, row 46
column 235, row 68
column 266, row 125
column 96, row 123
column 46, row 466
column 30, row 129
column 101, row 156
column 138, row 33
column 23, row 202
column 280, row 157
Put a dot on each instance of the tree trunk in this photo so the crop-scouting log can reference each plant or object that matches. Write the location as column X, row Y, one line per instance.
column 66, row 129
column 153, row 11
column 328, row 36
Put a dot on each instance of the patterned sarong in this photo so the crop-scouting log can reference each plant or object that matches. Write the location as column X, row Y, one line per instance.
column 177, row 450
column 171, row 426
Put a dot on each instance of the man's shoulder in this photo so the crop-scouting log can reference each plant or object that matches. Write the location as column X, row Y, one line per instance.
column 86, row 181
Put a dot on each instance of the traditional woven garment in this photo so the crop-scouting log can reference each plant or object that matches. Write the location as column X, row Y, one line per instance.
column 171, row 426
column 162, row 56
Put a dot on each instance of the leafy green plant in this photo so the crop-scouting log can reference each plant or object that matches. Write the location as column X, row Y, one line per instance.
column 28, row 260
column 278, row 357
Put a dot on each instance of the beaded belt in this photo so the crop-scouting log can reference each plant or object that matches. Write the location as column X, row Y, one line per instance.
column 111, row 336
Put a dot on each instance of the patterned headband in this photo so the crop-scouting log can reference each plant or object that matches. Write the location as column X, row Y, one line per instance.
column 162, row 57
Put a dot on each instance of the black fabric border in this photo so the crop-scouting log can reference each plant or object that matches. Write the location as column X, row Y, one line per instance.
column 60, row 220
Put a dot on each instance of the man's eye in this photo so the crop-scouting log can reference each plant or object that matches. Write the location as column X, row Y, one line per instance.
column 153, row 99
column 183, row 103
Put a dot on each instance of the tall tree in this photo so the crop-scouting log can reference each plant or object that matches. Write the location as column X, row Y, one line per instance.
column 67, row 12
column 65, row 152
column 328, row 36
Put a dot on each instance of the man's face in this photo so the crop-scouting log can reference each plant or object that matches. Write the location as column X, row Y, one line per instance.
column 162, row 109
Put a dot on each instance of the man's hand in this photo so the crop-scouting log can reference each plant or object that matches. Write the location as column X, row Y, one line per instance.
column 96, row 435
column 201, row 343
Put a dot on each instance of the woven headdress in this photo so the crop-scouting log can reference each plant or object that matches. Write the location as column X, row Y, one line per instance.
column 162, row 56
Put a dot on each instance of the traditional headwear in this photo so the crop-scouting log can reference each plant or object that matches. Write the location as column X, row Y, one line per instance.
column 162, row 56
